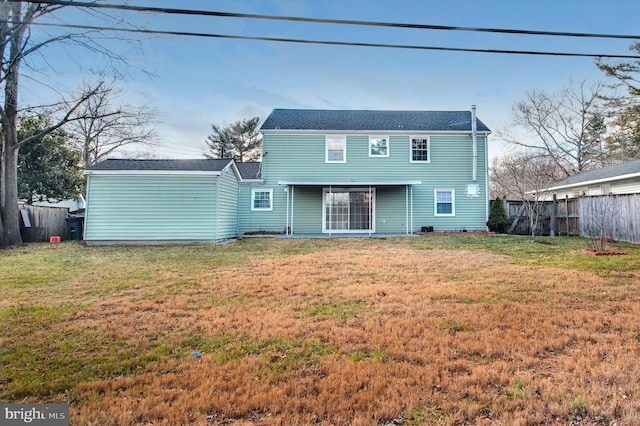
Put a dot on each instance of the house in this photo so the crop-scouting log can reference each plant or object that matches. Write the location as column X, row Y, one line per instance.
column 617, row 179
column 326, row 172
column 601, row 200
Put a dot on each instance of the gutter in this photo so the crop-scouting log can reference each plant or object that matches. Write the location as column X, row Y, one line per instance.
column 474, row 140
column 592, row 182
column 151, row 173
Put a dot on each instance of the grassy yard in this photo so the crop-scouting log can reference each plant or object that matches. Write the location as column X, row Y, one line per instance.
column 436, row 330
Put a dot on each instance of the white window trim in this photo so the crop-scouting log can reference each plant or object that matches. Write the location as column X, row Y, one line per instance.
column 435, row 202
column 388, row 146
column 411, row 138
column 261, row 209
column 326, row 148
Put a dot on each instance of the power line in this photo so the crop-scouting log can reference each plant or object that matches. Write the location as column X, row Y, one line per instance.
column 330, row 43
column 328, row 21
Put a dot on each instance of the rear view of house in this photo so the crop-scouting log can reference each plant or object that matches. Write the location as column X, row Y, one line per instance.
column 331, row 172
column 372, row 172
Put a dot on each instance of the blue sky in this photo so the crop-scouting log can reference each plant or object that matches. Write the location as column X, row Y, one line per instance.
column 194, row 82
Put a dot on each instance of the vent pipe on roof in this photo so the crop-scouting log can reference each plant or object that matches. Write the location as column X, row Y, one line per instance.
column 474, row 141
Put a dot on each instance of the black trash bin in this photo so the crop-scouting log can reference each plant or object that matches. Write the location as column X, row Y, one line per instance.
column 74, row 226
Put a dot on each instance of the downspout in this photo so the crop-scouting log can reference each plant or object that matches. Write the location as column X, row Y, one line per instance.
column 474, row 140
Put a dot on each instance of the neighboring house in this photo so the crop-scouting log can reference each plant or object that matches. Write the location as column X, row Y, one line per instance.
column 602, row 200
column 72, row 205
column 617, row 179
column 322, row 172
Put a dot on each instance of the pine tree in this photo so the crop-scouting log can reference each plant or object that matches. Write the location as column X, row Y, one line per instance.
column 498, row 219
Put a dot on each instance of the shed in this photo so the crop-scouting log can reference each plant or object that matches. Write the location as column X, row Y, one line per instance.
column 162, row 201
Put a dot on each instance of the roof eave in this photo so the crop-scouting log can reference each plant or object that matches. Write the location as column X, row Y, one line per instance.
column 593, row 182
column 372, row 132
column 152, row 173
column 349, row 183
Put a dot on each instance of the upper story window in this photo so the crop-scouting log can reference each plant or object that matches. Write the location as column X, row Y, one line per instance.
column 336, row 149
column 445, row 202
column 261, row 199
column 378, row 146
column 420, row 149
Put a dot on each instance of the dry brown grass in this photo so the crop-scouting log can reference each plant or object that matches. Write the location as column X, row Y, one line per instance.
column 363, row 332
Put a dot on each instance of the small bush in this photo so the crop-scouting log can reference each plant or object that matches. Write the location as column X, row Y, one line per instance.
column 498, row 219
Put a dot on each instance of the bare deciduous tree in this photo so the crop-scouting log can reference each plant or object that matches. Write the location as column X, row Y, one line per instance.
column 596, row 218
column 525, row 176
column 101, row 127
column 16, row 46
column 567, row 126
column 503, row 182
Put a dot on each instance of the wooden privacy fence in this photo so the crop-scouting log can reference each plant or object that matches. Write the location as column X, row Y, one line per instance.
column 619, row 214
column 44, row 222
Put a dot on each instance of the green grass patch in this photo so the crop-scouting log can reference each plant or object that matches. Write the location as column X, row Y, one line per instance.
column 372, row 355
column 46, row 363
column 454, row 326
column 278, row 355
column 334, row 310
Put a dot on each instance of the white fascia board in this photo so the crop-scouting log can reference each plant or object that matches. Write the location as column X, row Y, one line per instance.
column 350, row 183
column 592, row 182
column 368, row 132
column 151, row 173
column 252, row 181
column 232, row 165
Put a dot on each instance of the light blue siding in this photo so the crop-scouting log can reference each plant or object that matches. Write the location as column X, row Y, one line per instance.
column 154, row 208
column 226, row 206
column 302, row 158
column 252, row 221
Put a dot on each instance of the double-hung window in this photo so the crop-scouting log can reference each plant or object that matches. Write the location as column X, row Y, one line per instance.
column 336, row 149
column 445, row 202
column 378, row 146
column 420, row 149
column 261, row 199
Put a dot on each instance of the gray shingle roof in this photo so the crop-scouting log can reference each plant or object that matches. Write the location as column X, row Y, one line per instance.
column 250, row 170
column 208, row 165
column 310, row 119
column 609, row 172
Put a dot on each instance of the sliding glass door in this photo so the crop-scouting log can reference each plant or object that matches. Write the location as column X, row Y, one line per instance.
column 348, row 210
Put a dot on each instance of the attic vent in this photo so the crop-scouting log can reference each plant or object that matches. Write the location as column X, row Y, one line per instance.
column 473, row 190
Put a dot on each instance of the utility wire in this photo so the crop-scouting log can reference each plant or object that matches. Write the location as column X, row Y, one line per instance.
column 326, row 21
column 330, row 43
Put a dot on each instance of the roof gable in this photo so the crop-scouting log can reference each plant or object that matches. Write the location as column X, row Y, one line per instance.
column 363, row 120
column 250, row 170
